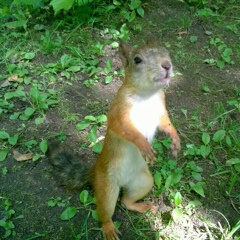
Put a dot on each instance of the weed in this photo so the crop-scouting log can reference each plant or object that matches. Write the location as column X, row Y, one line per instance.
column 59, row 202
column 6, row 220
column 51, row 43
column 39, row 102
column 170, row 176
column 9, row 142
column 94, row 123
column 225, row 52
column 134, row 9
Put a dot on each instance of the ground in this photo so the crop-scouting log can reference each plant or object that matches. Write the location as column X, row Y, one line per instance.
column 198, row 102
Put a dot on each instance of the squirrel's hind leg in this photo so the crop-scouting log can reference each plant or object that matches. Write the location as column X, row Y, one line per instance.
column 138, row 188
column 106, row 195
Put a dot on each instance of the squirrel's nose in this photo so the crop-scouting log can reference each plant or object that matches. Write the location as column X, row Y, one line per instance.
column 166, row 65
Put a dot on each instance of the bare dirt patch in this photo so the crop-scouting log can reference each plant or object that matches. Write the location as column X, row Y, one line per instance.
column 30, row 185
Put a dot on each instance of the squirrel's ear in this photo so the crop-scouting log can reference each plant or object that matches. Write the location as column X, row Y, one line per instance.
column 124, row 52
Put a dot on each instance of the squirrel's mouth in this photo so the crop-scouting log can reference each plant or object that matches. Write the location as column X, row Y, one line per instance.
column 163, row 81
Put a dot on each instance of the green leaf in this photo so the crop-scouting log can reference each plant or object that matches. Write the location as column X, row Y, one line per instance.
column 16, row 24
column 73, row 69
column 108, row 79
column 233, row 161
column 14, row 116
column 227, row 52
column 3, row 154
column 228, row 141
column 26, row 2
column 176, row 178
column 43, row 97
column 204, row 151
column 44, row 146
column 24, row 117
column 36, row 157
column 115, row 44
column 43, row 105
column 134, row 4
column 177, row 214
column 197, row 176
column 61, row 5
column 85, row 198
column 173, row 179
column 95, row 215
column 29, row 56
column 29, row 112
column 168, row 182
column 51, row 102
column 66, row 74
column 193, row 39
column 65, row 60
column 198, row 188
column 68, row 214
column 184, row 111
column 158, row 179
column 194, row 204
column 31, row 143
column 83, row 125
column 52, row 203
column 34, row 92
column 167, row 142
column 92, row 136
column 97, row 148
column 52, row 91
column 109, row 64
column 3, row 223
column 237, row 167
column 117, row 3
column 132, row 16
column 4, row 135
column 220, row 64
column 209, row 61
column 102, row 118
column 39, row 121
column 4, row 171
column 90, row 118
column 178, row 199
column 140, row 11
column 219, row 135
column 17, row 93
column 206, row 89
column 13, row 140
column 205, row 138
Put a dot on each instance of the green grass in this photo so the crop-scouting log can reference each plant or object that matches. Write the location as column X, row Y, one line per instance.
column 51, row 69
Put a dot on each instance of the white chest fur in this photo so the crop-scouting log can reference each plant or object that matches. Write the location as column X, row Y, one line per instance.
column 146, row 113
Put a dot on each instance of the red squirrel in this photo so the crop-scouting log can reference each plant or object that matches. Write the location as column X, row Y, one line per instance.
column 136, row 113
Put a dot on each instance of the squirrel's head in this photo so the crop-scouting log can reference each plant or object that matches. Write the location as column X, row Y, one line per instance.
column 149, row 68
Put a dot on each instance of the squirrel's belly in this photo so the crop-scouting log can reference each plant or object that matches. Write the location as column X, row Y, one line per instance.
column 131, row 165
column 146, row 113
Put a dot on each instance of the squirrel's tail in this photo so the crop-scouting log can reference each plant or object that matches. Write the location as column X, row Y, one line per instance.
column 67, row 167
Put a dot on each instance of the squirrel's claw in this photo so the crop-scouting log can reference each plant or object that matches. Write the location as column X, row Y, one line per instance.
column 175, row 147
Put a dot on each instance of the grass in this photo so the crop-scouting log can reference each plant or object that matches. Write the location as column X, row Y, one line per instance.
column 58, row 74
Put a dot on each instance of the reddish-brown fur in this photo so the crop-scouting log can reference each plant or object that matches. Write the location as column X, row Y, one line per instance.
column 121, row 163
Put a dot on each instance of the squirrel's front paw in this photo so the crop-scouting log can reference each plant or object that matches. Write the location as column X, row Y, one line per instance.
column 146, row 150
column 176, row 146
column 150, row 155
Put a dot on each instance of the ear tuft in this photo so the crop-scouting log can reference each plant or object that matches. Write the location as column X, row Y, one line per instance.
column 124, row 52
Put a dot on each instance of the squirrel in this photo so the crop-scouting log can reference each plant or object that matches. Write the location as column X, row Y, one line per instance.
column 135, row 114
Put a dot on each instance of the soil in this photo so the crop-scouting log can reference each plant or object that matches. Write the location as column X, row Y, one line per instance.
column 30, row 185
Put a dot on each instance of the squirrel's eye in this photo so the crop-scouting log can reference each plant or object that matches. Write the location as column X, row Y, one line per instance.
column 137, row 60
